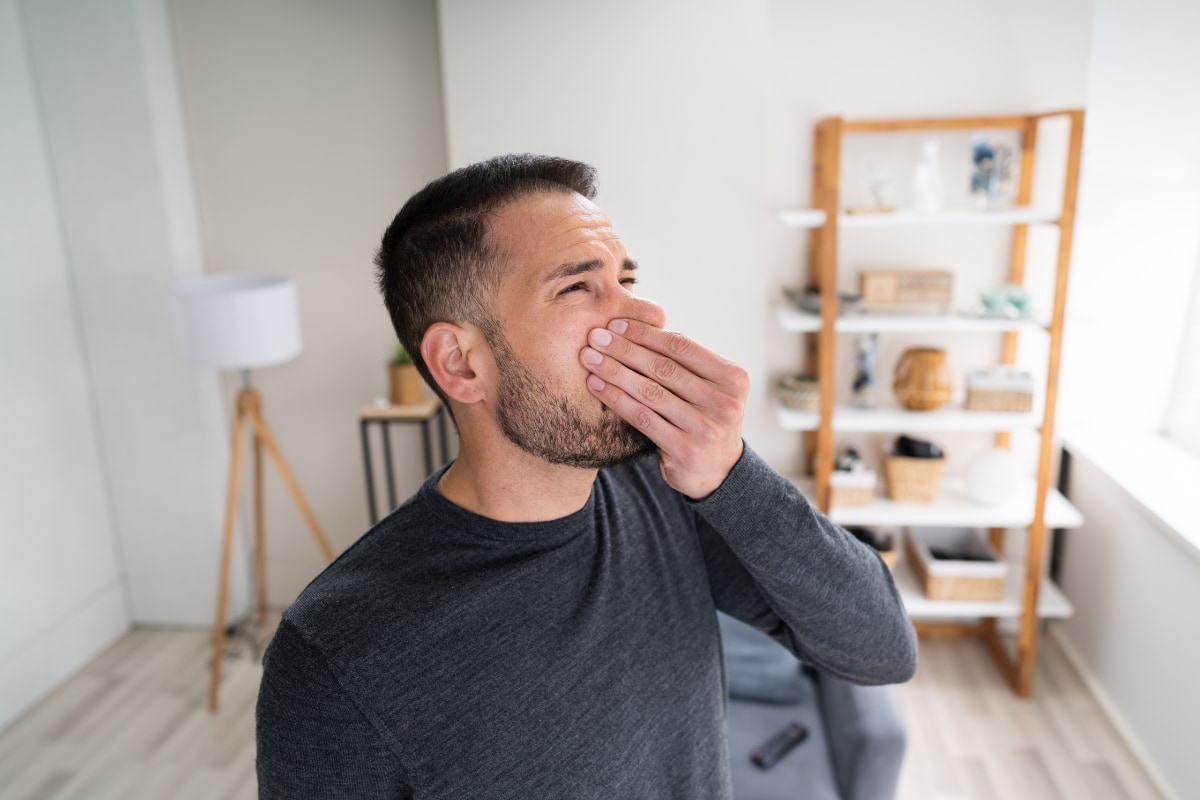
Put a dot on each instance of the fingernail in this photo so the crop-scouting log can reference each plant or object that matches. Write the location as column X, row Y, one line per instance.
column 618, row 326
column 596, row 383
column 591, row 357
column 600, row 337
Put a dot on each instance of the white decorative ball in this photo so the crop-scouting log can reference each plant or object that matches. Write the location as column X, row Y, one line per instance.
column 993, row 476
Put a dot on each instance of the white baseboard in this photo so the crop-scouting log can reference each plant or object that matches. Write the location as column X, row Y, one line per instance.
column 1124, row 729
column 69, row 644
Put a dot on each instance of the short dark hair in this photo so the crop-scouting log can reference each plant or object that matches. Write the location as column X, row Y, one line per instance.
column 436, row 262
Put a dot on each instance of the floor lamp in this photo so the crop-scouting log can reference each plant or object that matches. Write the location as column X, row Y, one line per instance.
column 243, row 321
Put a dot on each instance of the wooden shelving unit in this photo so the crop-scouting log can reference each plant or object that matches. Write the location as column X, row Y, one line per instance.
column 1030, row 596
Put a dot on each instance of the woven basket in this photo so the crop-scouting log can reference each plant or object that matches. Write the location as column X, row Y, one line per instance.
column 987, row 400
column 947, row 587
column 799, row 392
column 912, row 480
column 851, row 496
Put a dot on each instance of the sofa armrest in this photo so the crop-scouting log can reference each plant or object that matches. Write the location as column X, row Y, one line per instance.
column 866, row 737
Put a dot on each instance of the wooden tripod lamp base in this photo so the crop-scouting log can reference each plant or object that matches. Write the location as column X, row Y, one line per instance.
column 249, row 409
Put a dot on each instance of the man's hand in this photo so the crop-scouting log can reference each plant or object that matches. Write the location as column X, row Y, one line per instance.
column 687, row 399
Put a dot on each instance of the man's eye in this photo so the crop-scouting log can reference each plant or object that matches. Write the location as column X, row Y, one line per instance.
column 628, row 281
column 574, row 287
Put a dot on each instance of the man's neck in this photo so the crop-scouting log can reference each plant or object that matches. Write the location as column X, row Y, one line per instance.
column 504, row 483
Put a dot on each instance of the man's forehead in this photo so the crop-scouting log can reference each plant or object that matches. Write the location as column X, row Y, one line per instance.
column 548, row 226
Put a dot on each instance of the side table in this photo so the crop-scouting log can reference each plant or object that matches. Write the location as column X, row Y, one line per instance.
column 423, row 413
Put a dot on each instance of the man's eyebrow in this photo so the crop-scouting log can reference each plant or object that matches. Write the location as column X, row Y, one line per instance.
column 581, row 267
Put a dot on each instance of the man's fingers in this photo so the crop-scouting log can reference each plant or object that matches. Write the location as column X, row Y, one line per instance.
column 660, row 369
column 684, row 351
column 646, row 391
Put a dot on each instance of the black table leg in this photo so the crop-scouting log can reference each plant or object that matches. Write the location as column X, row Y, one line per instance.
column 425, row 444
column 441, row 415
column 387, row 462
column 366, row 448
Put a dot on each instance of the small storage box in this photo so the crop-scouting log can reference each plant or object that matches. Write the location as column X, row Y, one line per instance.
column 979, row 579
column 1000, row 389
column 855, row 488
column 887, row 287
column 912, row 480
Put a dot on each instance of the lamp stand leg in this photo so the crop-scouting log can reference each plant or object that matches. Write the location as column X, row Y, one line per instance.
column 249, row 407
column 235, row 474
column 260, row 426
column 260, row 558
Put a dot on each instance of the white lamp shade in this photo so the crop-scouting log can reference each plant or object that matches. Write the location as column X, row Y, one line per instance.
column 238, row 320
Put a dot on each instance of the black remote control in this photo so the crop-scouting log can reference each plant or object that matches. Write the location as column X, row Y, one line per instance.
column 778, row 745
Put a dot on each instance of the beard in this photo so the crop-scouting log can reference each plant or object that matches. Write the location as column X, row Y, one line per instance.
column 553, row 427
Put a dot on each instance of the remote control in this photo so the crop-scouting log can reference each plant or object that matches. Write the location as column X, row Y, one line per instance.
column 778, row 745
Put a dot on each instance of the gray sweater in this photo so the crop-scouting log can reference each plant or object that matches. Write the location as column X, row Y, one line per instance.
column 446, row 655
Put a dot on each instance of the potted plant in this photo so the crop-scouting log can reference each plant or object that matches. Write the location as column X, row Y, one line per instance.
column 406, row 384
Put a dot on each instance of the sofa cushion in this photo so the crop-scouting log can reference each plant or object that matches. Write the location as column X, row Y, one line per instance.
column 757, row 667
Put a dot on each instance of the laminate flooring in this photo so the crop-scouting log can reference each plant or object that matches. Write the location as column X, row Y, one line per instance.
column 134, row 723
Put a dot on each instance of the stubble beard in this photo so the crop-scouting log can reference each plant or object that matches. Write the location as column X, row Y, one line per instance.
column 554, row 428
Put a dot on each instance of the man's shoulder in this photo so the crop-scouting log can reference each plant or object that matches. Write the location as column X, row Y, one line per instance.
column 363, row 586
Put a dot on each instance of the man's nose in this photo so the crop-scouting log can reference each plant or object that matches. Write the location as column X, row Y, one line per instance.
column 642, row 309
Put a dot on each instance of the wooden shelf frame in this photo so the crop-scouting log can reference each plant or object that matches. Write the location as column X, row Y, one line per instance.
column 826, row 220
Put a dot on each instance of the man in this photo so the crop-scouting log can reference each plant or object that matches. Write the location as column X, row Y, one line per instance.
column 538, row 620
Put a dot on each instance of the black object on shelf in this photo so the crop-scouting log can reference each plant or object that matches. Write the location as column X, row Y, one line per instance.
column 916, row 448
column 878, row 541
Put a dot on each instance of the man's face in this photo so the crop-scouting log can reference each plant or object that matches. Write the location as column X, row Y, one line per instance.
column 567, row 272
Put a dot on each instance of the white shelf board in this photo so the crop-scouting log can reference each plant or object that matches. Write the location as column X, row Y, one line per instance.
column 803, row 218
column 898, row 420
column 952, row 507
column 794, row 320
column 814, row 218
column 1008, row 216
column 1052, row 603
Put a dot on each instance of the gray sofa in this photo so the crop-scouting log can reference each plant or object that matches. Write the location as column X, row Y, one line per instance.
column 856, row 739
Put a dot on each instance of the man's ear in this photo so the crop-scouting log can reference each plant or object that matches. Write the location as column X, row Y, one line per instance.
column 454, row 355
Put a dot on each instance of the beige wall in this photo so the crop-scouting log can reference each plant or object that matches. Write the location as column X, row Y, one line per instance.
column 309, row 125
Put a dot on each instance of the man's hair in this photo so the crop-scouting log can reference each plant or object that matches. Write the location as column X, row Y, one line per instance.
column 437, row 262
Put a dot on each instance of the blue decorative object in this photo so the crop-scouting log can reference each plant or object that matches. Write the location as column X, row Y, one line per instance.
column 985, row 179
column 866, row 368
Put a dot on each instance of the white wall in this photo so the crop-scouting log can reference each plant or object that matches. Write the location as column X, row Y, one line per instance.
column 309, row 125
column 104, row 77
column 1134, row 579
column 1136, row 589
column 1138, row 237
column 61, row 588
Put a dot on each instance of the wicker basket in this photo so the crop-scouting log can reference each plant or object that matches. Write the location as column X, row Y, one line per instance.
column 799, row 392
column 987, row 400
column 971, row 581
column 912, row 480
column 852, row 488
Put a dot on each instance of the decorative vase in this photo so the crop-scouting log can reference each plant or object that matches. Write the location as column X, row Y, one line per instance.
column 923, row 380
column 993, row 476
column 406, row 385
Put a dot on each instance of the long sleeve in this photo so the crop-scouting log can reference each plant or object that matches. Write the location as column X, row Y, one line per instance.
column 313, row 740
column 779, row 564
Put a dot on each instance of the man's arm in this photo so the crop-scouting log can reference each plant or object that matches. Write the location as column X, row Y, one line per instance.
column 775, row 561
column 779, row 564
column 313, row 740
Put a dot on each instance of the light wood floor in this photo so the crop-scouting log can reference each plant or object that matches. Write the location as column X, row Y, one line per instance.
column 134, row 724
